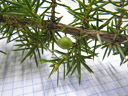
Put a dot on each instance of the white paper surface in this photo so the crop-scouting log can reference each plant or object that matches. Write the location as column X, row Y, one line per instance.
column 109, row 79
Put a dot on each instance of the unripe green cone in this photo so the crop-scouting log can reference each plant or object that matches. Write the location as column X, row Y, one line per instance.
column 65, row 42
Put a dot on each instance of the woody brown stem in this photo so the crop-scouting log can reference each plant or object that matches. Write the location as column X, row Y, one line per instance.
column 121, row 17
column 76, row 31
column 53, row 11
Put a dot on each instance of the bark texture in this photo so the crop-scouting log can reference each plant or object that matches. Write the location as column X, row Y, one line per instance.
column 77, row 31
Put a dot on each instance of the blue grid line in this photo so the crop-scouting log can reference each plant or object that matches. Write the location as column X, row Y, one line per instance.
column 38, row 91
column 73, row 91
column 63, row 88
column 116, row 79
column 72, row 84
column 44, row 70
column 22, row 77
column 123, row 87
column 110, row 81
column 64, row 91
column 92, row 87
column 118, row 82
column 41, row 81
column 32, row 79
column 46, row 95
column 74, row 76
column 86, row 87
column 5, row 73
column 103, row 87
column 89, row 79
column 14, row 73
column 60, row 72
column 110, row 90
column 51, row 82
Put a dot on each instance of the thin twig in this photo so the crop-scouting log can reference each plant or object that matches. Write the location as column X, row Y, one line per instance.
column 121, row 17
column 53, row 11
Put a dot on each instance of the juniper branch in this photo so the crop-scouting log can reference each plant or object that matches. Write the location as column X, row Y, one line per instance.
column 77, row 31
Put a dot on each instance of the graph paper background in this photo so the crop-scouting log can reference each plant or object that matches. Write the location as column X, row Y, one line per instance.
column 26, row 79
